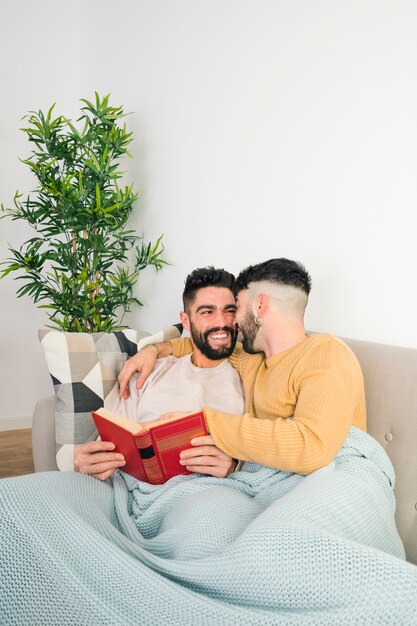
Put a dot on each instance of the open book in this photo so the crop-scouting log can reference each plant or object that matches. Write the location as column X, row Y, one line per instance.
column 151, row 449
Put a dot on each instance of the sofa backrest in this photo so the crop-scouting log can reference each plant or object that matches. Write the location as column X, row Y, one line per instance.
column 390, row 375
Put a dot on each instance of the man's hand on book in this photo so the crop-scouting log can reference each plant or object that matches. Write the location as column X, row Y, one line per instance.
column 205, row 458
column 97, row 459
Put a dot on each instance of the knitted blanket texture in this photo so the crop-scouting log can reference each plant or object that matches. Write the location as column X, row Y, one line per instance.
column 260, row 547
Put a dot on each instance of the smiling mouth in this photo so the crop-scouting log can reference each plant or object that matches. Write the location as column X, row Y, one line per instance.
column 219, row 336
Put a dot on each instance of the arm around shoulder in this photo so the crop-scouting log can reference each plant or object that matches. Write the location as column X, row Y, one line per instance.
column 143, row 362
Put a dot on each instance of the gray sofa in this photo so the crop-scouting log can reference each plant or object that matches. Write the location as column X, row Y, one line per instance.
column 391, row 391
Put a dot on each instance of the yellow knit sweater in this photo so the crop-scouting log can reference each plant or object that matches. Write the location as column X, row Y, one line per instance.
column 299, row 405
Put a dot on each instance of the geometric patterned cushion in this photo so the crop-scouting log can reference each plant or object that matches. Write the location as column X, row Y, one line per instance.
column 84, row 368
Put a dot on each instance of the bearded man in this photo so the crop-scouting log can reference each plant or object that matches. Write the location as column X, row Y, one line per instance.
column 204, row 377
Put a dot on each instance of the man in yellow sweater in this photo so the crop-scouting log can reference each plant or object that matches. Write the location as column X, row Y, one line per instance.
column 302, row 393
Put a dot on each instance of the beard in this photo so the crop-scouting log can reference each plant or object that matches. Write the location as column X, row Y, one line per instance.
column 249, row 330
column 202, row 343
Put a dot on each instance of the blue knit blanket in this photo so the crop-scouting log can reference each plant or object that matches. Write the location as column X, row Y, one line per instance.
column 260, row 547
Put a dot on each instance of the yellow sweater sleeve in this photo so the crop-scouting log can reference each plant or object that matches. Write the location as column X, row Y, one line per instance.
column 297, row 426
column 181, row 347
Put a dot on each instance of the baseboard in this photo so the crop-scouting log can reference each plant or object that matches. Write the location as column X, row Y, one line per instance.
column 15, row 423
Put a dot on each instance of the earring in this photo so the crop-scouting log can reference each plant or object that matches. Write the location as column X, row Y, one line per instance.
column 258, row 321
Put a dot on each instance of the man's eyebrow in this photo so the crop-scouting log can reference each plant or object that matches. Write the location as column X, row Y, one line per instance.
column 213, row 307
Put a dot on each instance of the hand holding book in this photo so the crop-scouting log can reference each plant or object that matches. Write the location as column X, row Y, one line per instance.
column 98, row 459
column 151, row 450
column 205, row 458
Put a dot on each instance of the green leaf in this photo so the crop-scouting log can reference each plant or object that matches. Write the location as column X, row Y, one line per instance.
column 98, row 198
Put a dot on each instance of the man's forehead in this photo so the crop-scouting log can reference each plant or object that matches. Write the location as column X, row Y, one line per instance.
column 213, row 296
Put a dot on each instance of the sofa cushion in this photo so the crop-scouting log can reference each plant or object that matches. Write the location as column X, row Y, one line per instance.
column 84, row 369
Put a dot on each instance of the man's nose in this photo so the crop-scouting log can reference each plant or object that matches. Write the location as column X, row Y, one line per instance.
column 221, row 319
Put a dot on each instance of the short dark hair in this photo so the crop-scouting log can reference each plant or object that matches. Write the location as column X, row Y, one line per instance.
column 205, row 277
column 278, row 271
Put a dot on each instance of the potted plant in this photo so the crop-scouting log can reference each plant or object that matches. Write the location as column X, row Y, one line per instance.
column 83, row 261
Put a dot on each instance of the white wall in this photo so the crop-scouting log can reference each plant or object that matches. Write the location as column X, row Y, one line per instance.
column 40, row 64
column 262, row 128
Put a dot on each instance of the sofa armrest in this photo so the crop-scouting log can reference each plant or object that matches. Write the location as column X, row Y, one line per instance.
column 43, row 435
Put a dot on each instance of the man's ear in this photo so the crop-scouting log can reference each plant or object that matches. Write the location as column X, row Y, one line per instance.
column 261, row 305
column 184, row 320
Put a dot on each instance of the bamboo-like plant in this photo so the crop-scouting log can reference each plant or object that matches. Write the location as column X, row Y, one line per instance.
column 83, row 260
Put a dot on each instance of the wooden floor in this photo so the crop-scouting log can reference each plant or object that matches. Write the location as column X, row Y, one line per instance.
column 16, row 453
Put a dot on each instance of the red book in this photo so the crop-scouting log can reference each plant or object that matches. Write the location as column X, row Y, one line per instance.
column 152, row 450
